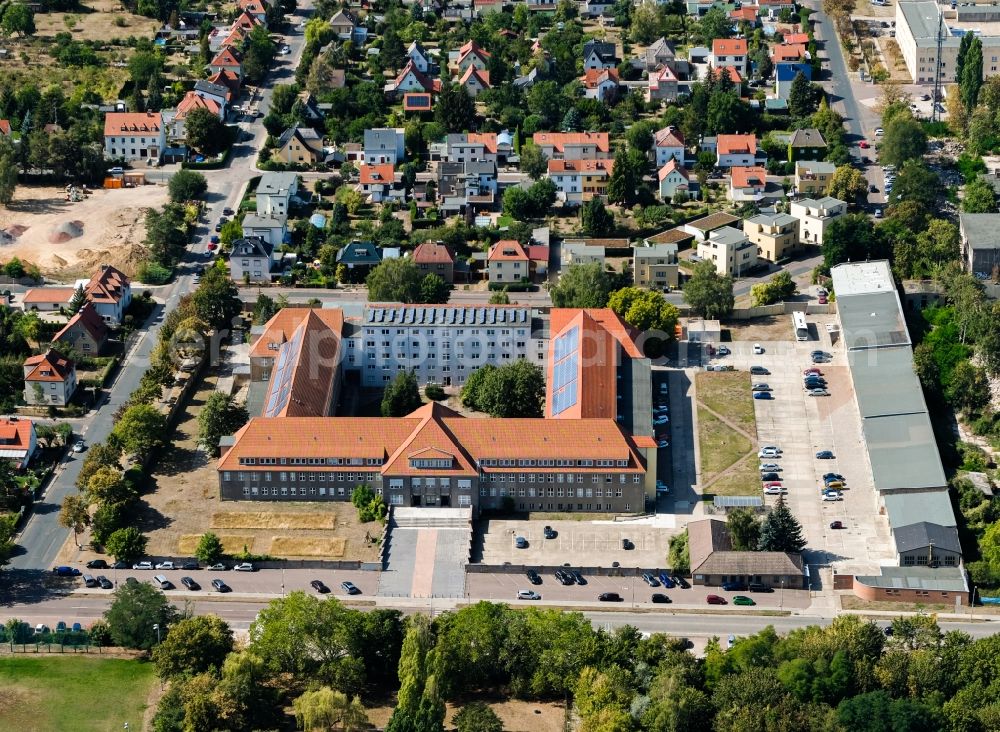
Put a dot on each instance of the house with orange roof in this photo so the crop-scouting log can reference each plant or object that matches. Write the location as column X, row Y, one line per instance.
column 662, row 85
column 578, row 181
column 5, row 128
column 746, row 14
column 228, row 79
column 508, row 262
column 802, row 38
column 417, row 102
column 435, row 257
column 729, row 52
column 18, row 441
column 788, row 52
column 228, row 59
column 736, row 150
column 86, row 332
column 192, row 101
column 305, row 375
column 49, row 379
column 474, row 81
column 110, row 292
column 672, row 178
column 747, row 183
column 470, row 56
column 134, row 135
column 600, row 84
column 246, row 21
column 668, row 143
column 375, row 182
column 46, row 299
column 255, row 8
column 573, row 145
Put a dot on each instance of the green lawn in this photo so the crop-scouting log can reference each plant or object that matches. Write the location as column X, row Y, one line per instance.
column 728, row 393
column 744, row 480
column 72, row 693
column 720, row 445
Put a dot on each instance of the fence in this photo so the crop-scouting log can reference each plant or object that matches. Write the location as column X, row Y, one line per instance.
column 595, row 571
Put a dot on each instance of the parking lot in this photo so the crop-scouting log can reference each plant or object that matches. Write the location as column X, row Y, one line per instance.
column 802, row 425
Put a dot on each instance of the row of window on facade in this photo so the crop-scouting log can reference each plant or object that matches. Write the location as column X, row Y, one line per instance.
column 309, row 461
column 949, row 560
column 554, row 492
column 569, row 507
column 474, row 332
column 322, row 492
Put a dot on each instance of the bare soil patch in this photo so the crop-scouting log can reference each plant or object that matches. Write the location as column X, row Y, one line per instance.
column 313, row 546
column 263, row 520
column 771, row 328
column 96, row 21
column 232, row 543
column 516, row 715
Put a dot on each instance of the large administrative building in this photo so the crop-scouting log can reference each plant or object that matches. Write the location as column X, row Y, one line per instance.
column 593, row 450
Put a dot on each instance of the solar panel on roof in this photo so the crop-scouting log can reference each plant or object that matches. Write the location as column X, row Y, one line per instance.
column 481, row 315
column 419, row 315
column 440, row 315
column 452, row 312
column 491, row 316
column 470, row 316
column 502, row 315
column 372, row 314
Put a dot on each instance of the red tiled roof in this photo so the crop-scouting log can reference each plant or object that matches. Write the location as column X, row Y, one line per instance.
column 670, row 167
column 5, row 127
column 581, row 166
column 755, row 177
column 734, row 74
column 595, row 77
column 192, row 101
column 16, row 433
column 797, row 38
column 88, row 319
column 428, row 84
column 226, row 78
column 487, row 139
column 668, row 137
column 122, row 123
column 507, row 250
column 728, row 144
column 559, row 140
column 729, row 47
column 226, row 57
column 107, row 285
column 49, row 366
column 48, row 294
column 373, row 175
column 472, row 47
column 788, row 52
column 417, row 102
column 304, row 388
column 279, row 328
column 482, row 76
column 538, row 253
column 747, row 13
column 246, row 21
column 432, row 252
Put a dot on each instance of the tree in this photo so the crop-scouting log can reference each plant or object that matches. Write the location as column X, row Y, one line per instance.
column 848, row 184
column 963, row 51
column 582, row 286
column 971, row 79
column 595, row 219
column 74, row 515
column 645, row 310
column 100, row 455
column 513, row 390
column 477, row 717
column 454, row 109
column 18, row 18
column 135, row 609
column 217, row 299
column 781, row 532
column 625, row 177
column 221, row 416
column 801, row 98
column 904, row 140
column 187, row 185
column 917, row 184
column 969, row 388
column 708, row 293
column 126, row 545
column 679, row 556
column 8, row 176
column 979, row 197
column 500, row 297
column 851, row 238
column 572, row 121
column 107, row 486
column 394, row 280
column 434, row 290
column 744, row 529
column 533, row 161
column 233, row 230
column 210, row 549
column 402, row 395
column 140, row 429
column 192, row 646
column 324, row 708
column 204, row 131
column 78, row 300
column 778, row 289
column 715, row 24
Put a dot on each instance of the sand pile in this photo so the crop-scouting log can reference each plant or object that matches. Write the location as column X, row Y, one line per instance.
column 66, row 231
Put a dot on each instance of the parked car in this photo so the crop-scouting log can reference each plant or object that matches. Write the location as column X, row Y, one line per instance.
column 812, row 372
column 662, row 442
column 824, row 455
column 662, row 487
column 65, row 571
column 864, row 145
column 818, row 392
column 79, row 446
column 723, row 351
column 245, row 567
column 663, row 419
column 759, row 371
column 220, row 567
column 681, row 582
column 833, row 496
column 165, row 565
column 221, row 586
column 61, row 626
column 769, row 467
column 666, row 581
column 769, row 476
column 350, row 588
column 759, row 587
column 227, row 211
column 760, row 387
column 609, row 597
column 833, row 476
column 650, row 580
column 769, row 451
column 765, row 395
column 120, row 565
column 190, row 584
column 520, row 542
column 733, row 586
column 758, row 349
column 104, row 582
column 833, row 484
column 715, row 600
column 627, row 544
column 660, row 598
column 836, row 524
column 190, row 564
column 565, row 578
column 821, row 354
column 549, row 533
column 319, row 586
column 774, row 490
column 131, row 581
column 528, row 595
column 41, row 629
column 578, row 576
column 533, row 577
column 142, row 565
column 743, row 600
column 77, row 628
column 97, row 564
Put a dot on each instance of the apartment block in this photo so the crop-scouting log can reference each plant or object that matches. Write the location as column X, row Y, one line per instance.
column 730, row 250
column 814, row 215
column 775, row 235
column 655, row 266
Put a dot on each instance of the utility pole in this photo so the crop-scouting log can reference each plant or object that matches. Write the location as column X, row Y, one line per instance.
column 937, row 68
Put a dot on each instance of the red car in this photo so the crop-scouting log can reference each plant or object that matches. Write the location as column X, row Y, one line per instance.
column 211, row 247
column 812, row 372
column 772, row 484
column 863, row 144
column 715, row 600
column 822, row 299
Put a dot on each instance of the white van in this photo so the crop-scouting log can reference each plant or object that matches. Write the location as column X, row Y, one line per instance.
column 163, row 582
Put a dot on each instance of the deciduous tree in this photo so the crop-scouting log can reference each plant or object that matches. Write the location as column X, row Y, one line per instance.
column 193, row 645
column 848, row 184
column 210, row 549
column 744, row 529
column 533, row 161
column 582, row 286
column 595, row 219
column 394, row 280
column 140, row 429
column 126, row 545
column 204, row 131
column 187, row 185
column 708, row 293
column 220, row 416
column 74, row 515
column 402, row 395
column 645, row 310
column 904, row 140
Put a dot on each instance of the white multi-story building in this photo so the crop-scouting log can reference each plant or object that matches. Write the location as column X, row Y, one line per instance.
column 441, row 344
column 917, row 25
column 134, row 135
column 730, row 250
column 814, row 215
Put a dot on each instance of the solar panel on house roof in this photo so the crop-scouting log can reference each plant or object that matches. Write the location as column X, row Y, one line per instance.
column 481, row 315
column 440, row 315
column 281, row 381
column 502, row 315
column 491, row 315
column 420, row 314
column 452, row 312
column 470, row 317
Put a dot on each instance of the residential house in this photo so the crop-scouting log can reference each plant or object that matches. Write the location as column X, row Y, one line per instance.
column 46, row 299
column 485, row 7
column 668, row 143
column 5, row 128
column 600, row 85
column 662, row 85
column 251, row 260
column 134, row 135
column 299, row 145
column 980, row 243
column 785, row 73
column 18, row 441
column 788, row 53
column 418, row 102
column 714, row 561
column 807, row 144
column 49, row 379
column 275, row 192
column 730, row 250
column 247, row 22
column 434, row 257
column 419, row 56
column 376, row 181
column 361, row 256
column 746, row 14
column 677, row 236
column 385, row 145
column 581, row 253
column 659, row 53
column 747, row 183
column 730, row 52
column 471, row 56
column 272, row 228
column 655, row 266
column 673, row 178
column 227, row 60
column 191, row 101
column 343, row 24
column 219, row 93
column 311, row 110
column 508, row 262
column 599, row 56
column 775, row 235
column 85, row 332
column 255, row 8
column 578, row 181
column 411, row 79
column 814, row 215
column 812, row 177
column 573, row 145
column 736, row 150
column 227, row 79
column 702, row 228
column 474, row 81
column 110, row 292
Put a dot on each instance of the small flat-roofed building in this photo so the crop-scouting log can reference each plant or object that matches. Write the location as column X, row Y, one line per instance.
column 776, row 235
column 980, row 243
column 944, row 585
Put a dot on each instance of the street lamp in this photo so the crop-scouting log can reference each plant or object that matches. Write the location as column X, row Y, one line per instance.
column 156, row 627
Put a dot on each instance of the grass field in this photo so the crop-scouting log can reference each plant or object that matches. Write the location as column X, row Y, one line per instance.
column 720, row 445
column 231, row 543
column 728, row 393
column 307, row 546
column 264, row 520
column 743, row 480
column 72, row 693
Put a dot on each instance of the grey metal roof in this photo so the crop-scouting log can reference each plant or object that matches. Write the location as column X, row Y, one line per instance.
column 980, row 230
column 274, row 184
column 925, row 534
column 885, row 383
column 655, row 251
column 253, row 221
column 872, row 320
column 942, row 579
column 636, row 390
column 204, row 85
column 381, row 137
column 738, row 501
column 922, row 20
column 905, row 509
column 817, row 166
column 809, row 137
column 904, row 455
